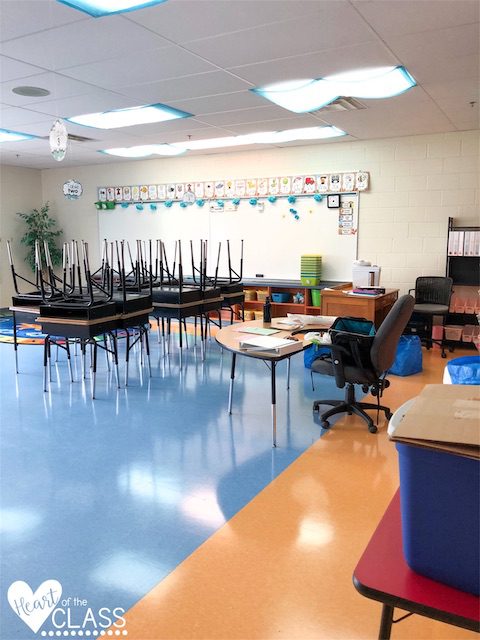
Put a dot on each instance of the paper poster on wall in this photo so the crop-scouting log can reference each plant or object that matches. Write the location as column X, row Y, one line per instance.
column 102, row 194
column 110, row 194
column 170, row 191
column 348, row 182
column 127, row 194
column 361, row 180
column 179, row 190
column 219, row 189
column 335, row 184
column 346, row 217
column 230, row 188
column 273, row 186
column 161, row 191
column 322, row 183
column 118, row 194
column 297, row 185
column 240, row 188
column 251, row 187
column 135, row 193
column 152, row 192
column 309, row 184
column 285, row 185
column 199, row 190
column 262, row 187
column 209, row 189
column 144, row 192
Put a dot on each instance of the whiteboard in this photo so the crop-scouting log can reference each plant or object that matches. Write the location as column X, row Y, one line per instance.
column 274, row 240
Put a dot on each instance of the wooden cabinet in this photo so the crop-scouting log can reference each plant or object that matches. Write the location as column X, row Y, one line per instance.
column 374, row 308
column 298, row 298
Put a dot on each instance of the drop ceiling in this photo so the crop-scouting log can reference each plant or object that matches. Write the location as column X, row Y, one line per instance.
column 204, row 56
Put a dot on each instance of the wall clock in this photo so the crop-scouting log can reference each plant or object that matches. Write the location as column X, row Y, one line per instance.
column 333, row 201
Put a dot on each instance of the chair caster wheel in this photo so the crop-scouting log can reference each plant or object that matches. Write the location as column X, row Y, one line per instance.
column 325, row 424
column 388, row 415
column 365, row 388
column 315, row 406
column 444, row 355
column 372, row 428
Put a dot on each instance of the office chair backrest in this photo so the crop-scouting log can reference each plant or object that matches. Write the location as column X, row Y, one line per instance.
column 433, row 290
column 385, row 343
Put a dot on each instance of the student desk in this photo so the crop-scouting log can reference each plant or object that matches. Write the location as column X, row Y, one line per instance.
column 382, row 574
column 229, row 338
column 336, row 302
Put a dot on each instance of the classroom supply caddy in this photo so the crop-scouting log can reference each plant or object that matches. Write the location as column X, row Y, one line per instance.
column 311, row 270
column 438, row 447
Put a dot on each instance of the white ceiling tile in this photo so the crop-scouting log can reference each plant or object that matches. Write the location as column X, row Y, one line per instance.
column 143, row 67
column 184, row 20
column 158, row 129
column 60, row 87
column 218, row 103
column 15, row 117
column 245, row 116
column 463, row 90
column 82, row 42
column 319, row 32
column 318, row 64
column 401, row 17
column 428, row 70
column 22, row 17
column 279, row 124
column 185, row 87
column 11, row 69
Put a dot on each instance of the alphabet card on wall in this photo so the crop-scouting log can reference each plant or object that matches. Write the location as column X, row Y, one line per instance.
column 262, row 187
column 348, row 182
column 135, row 193
column 110, row 194
column 322, row 184
column 179, row 190
column 297, row 185
column 285, row 185
column 310, row 184
column 273, row 186
column 161, row 191
column 118, row 194
column 251, row 187
column 209, row 189
column 199, row 190
column 152, row 192
column 219, row 189
column 230, row 188
column 102, row 194
column 170, row 191
column 127, row 194
column 335, row 183
column 240, row 188
column 144, row 192
column 361, row 180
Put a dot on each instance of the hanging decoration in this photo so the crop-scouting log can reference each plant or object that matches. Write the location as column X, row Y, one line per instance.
column 72, row 190
column 58, row 140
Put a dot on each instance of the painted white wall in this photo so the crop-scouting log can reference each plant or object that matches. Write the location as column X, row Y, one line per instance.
column 417, row 182
column 20, row 190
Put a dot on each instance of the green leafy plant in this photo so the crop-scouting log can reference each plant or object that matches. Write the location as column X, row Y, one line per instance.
column 41, row 227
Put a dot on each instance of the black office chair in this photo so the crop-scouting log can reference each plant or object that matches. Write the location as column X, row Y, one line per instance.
column 360, row 359
column 432, row 298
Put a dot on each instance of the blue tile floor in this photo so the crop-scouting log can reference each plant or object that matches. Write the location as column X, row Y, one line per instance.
column 108, row 496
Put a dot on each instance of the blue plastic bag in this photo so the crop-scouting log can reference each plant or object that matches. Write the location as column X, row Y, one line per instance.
column 465, row 370
column 313, row 352
column 408, row 359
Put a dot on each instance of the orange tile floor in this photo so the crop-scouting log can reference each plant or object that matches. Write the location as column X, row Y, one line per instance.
column 282, row 567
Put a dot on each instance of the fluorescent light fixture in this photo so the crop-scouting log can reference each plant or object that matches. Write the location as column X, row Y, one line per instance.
column 302, row 96
column 265, row 137
column 117, row 118
column 14, row 136
column 99, row 8
column 144, row 150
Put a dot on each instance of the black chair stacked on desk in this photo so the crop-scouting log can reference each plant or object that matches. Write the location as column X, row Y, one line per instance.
column 81, row 309
column 231, row 287
column 432, row 299
column 365, row 360
column 171, row 297
column 133, row 301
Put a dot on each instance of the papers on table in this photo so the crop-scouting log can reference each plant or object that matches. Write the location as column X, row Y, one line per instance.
column 259, row 331
column 270, row 345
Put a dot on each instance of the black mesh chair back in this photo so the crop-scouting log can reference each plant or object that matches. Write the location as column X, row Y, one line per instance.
column 433, row 290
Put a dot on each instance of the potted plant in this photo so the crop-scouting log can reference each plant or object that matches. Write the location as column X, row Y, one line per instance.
column 41, row 227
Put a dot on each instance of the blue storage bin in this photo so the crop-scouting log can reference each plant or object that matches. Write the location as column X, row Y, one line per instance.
column 439, row 493
column 281, row 297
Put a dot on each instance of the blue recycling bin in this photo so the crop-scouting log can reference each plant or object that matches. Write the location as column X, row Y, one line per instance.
column 464, row 370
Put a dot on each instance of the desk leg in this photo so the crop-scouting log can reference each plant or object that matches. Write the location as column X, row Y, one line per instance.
column 15, row 343
column 288, row 373
column 232, row 377
column 274, row 406
column 386, row 622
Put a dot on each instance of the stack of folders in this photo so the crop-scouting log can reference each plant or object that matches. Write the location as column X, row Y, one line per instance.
column 369, row 291
column 270, row 345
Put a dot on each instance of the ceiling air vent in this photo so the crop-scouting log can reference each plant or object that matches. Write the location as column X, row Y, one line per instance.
column 344, row 104
column 74, row 138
